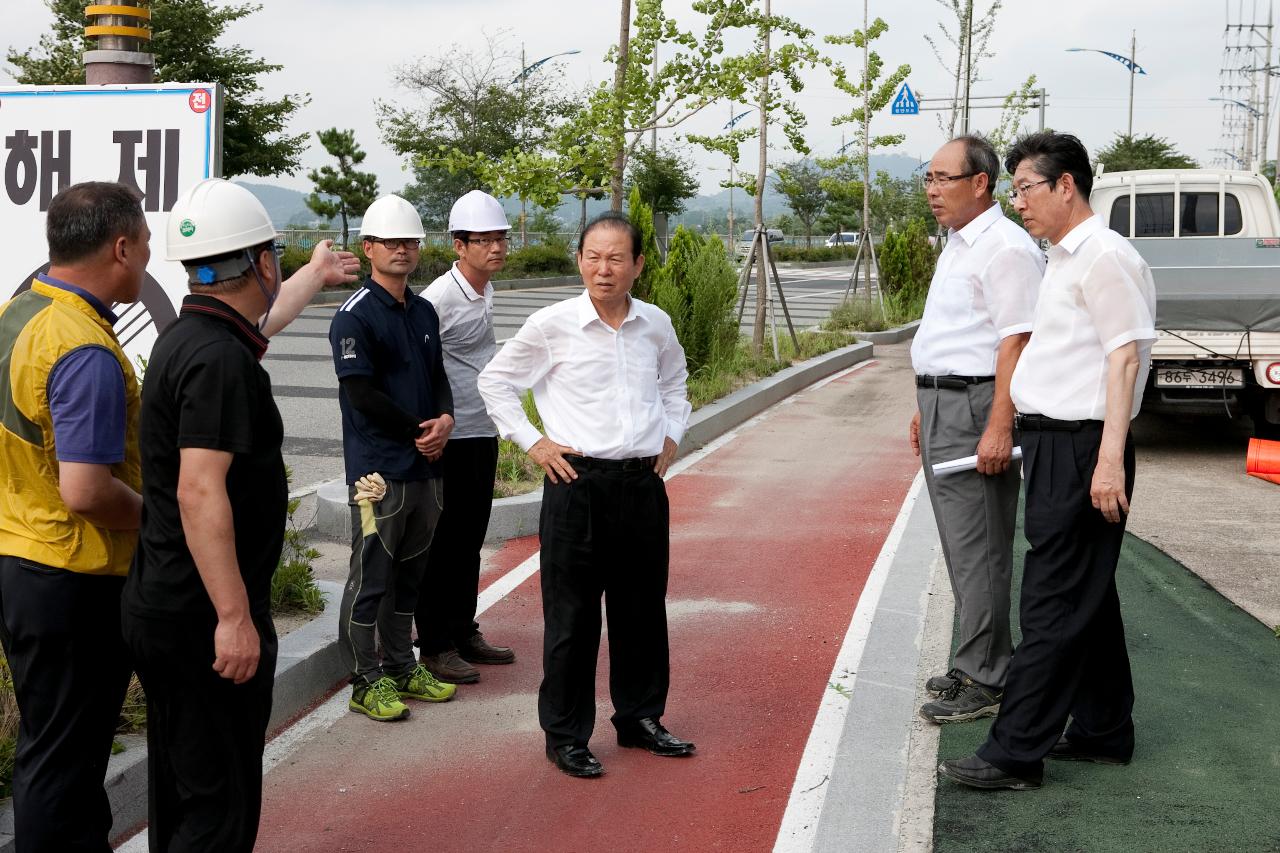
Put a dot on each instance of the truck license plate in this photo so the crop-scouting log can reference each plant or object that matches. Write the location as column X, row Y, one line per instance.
column 1198, row 377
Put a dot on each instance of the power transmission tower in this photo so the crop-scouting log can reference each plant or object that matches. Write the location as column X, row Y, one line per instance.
column 1244, row 85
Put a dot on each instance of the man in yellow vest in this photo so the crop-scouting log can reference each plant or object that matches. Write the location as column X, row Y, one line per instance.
column 69, row 511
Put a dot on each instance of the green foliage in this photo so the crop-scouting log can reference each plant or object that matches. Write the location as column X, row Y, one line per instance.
column 737, row 366
column 697, row 290
column 896, row 201
column 857, row 315
column 664, row 178
column 906, row 264
column 817, row 253
column 293, row 585
column 801, row 184
column 184, row 40
column 641, row 216
column 9, row 719
column 539, row 260
column 343, row 192
column 1142, row 152
column 517, row 474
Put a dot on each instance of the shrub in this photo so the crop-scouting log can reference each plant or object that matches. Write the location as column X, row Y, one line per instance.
column 817, row 253
column 906, row 264
column 862, row 315
column 697, row 289
column 539, row 260
column 641, row 216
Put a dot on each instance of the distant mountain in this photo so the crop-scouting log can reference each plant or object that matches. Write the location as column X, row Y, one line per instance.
column 284, row 206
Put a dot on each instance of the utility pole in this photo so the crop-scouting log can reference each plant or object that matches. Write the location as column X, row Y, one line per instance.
column 1133, row 64
column 732, row 178
column 968, row 62
column 762, row 278
column 524, row 69
column 120, row 38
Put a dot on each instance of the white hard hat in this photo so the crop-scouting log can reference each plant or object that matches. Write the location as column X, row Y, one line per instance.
column 478, row 211
column 391, row 217
column 216, row 217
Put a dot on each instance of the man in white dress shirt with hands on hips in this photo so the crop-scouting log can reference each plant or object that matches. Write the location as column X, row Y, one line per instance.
column 1077, row 386
column 608, row 377
column 976, row 322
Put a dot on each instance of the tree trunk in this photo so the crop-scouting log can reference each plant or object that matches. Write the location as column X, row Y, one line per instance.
column 757, row 331
column 619, row 85
column 344, row 228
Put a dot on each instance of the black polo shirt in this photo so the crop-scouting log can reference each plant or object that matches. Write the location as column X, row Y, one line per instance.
column 205, row 388
column 397, row 345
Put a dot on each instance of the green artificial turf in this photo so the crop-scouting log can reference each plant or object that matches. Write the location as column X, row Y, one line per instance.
column 1206, row 772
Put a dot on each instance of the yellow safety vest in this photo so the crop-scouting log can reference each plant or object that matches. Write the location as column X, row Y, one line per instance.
column 38, row 328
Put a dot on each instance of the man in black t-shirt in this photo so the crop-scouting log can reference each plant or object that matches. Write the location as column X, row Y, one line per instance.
column 196, row 605
column 397, row 412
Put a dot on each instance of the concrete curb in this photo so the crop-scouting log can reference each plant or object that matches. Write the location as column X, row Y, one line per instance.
column 337, row 297
column 891, row 336
column 518, row 516
column 815, row 265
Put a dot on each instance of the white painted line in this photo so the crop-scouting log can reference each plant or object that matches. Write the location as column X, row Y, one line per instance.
column 506, row 584
column 804, row 807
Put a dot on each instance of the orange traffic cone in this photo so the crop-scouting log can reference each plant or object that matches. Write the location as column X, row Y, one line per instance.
column 1264, row 460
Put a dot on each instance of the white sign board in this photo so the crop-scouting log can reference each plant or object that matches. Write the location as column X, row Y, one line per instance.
column 159, row 138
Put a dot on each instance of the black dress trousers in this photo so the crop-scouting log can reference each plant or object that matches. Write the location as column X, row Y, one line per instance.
column 1072, row 660
column 605, row 533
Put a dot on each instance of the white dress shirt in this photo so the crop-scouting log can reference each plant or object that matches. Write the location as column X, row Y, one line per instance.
column 610, row 394
column 983, row 290
column 466, row 334
column 1097, row 296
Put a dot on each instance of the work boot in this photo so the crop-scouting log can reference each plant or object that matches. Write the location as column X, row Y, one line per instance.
column 940, row 684
column 378, row 701
column 966, row 700
column 448, row 667
column 420, row 684
column 475, row 650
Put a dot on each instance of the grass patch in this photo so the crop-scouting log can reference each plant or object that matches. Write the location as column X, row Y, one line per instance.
column 293, row 586
column 517, row 473
column 864, row 315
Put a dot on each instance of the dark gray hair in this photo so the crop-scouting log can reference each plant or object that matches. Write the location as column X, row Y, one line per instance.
column 980, row 158
column 85, row 217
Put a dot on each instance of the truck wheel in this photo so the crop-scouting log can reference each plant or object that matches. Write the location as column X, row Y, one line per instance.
column 1266, row 415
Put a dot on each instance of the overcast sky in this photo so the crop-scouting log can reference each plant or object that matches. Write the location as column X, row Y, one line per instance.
column 344, row 53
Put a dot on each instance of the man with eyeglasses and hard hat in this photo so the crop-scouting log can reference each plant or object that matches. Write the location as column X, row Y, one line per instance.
column 397, row 414
column 976, row 322
column 448, row 635
column 1077, row 386
column 196, row 605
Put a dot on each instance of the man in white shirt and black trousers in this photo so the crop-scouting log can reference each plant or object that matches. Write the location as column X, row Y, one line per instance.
column 608, row 377
column 1077, row 386
column 976, row 322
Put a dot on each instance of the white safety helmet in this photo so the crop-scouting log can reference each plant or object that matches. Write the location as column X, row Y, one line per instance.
column 478, row 211
column 391, row 217
column 216, row 217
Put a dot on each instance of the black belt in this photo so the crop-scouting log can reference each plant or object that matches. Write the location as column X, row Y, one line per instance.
column 1040, row 422
column 590, row 463
column 953, row 383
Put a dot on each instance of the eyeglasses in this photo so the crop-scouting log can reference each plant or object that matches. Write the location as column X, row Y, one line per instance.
column 397, row 243
column 278, row 248
column 486, row 242
column 941, row 180
column 1014, row 192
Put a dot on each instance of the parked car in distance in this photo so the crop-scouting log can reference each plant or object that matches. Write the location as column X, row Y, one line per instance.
column 744, row 245
column 844, row 238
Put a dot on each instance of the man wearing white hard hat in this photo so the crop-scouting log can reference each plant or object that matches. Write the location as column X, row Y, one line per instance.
column 196, row 605
column 397, row 413
column 448, row 635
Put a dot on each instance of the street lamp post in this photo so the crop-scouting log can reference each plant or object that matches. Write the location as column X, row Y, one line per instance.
column 526, row 70
column 1129, row 62
column 733, row 121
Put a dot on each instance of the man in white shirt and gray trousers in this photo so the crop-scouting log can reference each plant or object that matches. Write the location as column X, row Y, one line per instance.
column 976, row 322
column 608, row 376
column 1077, row 386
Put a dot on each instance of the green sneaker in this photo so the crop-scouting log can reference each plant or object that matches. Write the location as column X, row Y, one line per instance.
column 379, row 701
column 422, row 685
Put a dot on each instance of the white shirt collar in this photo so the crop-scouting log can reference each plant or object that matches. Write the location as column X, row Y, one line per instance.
column 979, row 224
column 1076, row 236
column 465, row 286
column 587, row 309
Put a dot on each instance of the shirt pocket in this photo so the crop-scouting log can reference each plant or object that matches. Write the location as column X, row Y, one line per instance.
column 642, row 369
column 955, row 300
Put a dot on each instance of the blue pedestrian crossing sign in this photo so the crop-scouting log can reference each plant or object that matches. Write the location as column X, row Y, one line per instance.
column 905, row 103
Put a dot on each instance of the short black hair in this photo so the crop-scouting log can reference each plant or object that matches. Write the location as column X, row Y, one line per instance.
column 1053, row 155
column 980, row 158
column 613, row 219
column 85, row 217
column 464, row 236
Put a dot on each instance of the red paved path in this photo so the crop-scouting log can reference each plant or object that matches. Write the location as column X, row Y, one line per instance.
column 773, row 536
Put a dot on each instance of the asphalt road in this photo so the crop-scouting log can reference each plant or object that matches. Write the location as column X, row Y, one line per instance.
column 306, row 391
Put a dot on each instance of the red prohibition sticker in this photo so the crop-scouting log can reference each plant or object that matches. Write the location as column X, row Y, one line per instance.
column 199, row 101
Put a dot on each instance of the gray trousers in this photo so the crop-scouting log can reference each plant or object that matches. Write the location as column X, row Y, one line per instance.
column 390, row 541
column 976, row 516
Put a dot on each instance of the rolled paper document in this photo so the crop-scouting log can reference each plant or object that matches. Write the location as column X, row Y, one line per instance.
column 967, row 463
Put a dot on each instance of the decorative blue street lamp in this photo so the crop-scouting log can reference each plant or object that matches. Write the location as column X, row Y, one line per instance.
column 1127, row 61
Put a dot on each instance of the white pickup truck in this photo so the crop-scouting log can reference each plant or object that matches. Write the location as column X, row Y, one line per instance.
column 1212, row 240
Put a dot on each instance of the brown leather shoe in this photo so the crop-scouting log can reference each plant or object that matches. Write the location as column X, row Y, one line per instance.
column 475, row 650
column 448, row 667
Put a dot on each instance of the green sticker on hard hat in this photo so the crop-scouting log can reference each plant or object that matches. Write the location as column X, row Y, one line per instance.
column 187, row 228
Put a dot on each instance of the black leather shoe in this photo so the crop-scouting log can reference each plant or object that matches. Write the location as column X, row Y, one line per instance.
column 649, row 734
column 976, row 773
column 575, row 761
column 1065, row 750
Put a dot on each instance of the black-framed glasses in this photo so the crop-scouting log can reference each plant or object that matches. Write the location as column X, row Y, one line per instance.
column 278, row 248
column 394, row 243
column 1014, row 192
column 941, row 180
column 486, row 242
